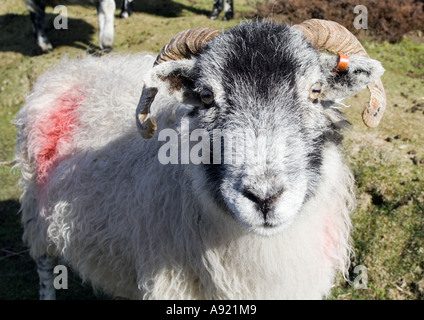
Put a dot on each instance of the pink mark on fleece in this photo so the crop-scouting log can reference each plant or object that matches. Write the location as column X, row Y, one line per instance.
column 56, row 128
column 332, row 236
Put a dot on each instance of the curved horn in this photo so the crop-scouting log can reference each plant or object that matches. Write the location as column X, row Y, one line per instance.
column 331, row 36
column 183, row 45
column 186, row 44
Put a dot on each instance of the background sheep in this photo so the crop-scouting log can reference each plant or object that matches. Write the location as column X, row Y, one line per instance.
column 275, row 226
column 105, row 13
column 126, row 8
column 228, row 7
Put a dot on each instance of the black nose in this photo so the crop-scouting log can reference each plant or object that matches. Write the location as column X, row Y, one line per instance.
column 264, row 204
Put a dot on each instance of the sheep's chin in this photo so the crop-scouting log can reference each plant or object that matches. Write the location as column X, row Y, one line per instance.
column 268, row 231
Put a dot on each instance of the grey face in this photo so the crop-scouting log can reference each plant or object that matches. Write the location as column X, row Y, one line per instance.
column 273, row 93
column 252, row 78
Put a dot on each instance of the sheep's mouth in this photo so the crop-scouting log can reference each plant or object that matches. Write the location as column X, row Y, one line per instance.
column 268, row 225
column 267, row 228
column 272, row 224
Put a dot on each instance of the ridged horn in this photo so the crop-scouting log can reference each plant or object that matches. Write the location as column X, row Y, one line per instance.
column 331, row 36
column 183, row 45
column 186, row 44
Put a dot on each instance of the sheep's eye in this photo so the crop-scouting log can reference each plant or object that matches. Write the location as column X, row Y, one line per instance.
column 315, row 91
column 207, row 96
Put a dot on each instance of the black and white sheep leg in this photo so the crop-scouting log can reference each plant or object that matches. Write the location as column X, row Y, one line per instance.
column 36, row 9
column 126, row 8
column 45, row 267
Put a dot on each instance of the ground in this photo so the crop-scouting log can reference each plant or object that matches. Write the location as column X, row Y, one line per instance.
column 388, row 161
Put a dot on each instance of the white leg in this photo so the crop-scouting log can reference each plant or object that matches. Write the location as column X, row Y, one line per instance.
column 44, row 43
column 45, row 266
column 105, row 14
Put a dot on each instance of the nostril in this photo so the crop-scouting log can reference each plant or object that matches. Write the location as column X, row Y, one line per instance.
column 275, row 196
column 251, row 196
column 264, row 204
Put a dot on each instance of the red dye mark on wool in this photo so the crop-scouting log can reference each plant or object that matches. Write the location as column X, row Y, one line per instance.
column 330, row 232
column 56, row 129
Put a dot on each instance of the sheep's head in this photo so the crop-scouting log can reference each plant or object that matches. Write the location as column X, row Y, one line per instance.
column 270, row 86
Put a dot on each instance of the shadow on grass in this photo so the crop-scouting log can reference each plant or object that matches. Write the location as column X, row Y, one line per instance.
column 165, row 8
column 18, row 273
column 16, row 34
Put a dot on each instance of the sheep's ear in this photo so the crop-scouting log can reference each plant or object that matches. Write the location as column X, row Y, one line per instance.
column 176, row 78
column 361, row 71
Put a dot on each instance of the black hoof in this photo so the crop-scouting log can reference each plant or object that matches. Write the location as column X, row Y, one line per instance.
column 228, row 16
column 107, row 49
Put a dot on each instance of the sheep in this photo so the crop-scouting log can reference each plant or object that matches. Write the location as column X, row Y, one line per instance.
column 105, row 13
column 218, row 5
column 109, row 203
column 126, row 8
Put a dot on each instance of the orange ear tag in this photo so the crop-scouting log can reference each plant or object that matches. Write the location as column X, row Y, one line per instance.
column 342, row 64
